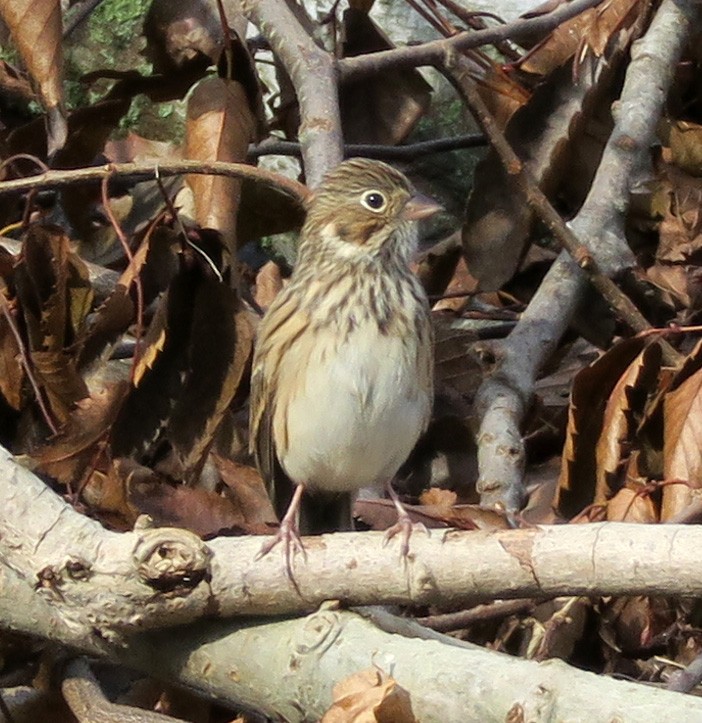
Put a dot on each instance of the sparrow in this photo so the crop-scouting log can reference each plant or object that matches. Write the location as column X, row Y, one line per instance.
column 342, row 376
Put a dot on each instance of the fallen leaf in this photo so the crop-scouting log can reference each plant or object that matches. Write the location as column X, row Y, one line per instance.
column 369, row 696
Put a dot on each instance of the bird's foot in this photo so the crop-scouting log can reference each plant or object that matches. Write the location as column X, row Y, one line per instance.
column 289, row 535
column 404, row 527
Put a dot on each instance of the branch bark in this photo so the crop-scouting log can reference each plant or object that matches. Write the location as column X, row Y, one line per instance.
column 287, row 669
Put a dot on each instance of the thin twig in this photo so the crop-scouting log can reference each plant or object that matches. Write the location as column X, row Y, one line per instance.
column 137, row 276
column 409, row 152
column 478, row 614
column 147, row 171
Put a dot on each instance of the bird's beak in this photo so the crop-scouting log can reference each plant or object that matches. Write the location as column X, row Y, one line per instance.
column 420, row 206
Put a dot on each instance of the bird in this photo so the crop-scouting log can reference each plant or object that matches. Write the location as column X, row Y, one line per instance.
column 342, row 373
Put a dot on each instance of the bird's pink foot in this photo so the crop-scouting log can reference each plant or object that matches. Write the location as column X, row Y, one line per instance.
column 289, row 535
column 403, row 527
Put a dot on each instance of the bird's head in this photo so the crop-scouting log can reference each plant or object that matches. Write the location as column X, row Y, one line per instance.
column 360, row 205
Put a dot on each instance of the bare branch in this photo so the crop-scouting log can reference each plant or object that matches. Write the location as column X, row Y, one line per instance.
column 405, row 152
column 66, row 579
column 237, row 661
column 433, row 53
column 103, row 585
column 149, row 171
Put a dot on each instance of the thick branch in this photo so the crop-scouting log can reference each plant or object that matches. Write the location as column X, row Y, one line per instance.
column 103, row 583
column 314, row 78
column 504, row 398
column 236, row 662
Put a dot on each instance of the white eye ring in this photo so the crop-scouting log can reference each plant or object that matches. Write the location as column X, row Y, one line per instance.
column 374, row 201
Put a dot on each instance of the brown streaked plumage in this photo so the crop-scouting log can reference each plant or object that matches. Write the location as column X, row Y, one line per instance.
column 342, row 374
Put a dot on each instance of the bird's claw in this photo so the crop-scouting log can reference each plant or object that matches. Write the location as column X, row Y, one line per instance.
column 289, row 536
column 404, row 527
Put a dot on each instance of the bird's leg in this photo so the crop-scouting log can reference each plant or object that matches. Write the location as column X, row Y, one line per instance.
column 288, row 532
column 403, row 526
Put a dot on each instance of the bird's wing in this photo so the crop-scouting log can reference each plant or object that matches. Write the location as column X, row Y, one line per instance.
column 278, row 331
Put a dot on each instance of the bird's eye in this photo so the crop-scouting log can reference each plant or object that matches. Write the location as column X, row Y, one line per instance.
column 373, row 201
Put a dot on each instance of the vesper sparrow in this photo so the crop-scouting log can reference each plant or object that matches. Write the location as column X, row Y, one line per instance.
column 342, row 372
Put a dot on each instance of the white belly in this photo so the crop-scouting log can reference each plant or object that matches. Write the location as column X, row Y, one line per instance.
column 357, row 411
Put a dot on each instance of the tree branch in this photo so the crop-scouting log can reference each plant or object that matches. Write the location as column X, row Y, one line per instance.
column 503, row 399
column 236, row 662
column 405, row 152
column 434, row 52
column 104, row 585
column 314, row 78
column 148, row 171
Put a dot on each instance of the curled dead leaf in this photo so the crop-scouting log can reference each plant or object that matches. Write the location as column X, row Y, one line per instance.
column 369, row 696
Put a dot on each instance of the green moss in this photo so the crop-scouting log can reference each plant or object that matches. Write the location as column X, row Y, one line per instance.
column 113, row 25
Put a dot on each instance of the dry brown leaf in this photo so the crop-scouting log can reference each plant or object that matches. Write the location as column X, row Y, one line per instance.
column 437, row 497
column 195, row 353
column 54, row 295
column 220, row 126
column 247, row 491
column 382, row 108
column 381, row 514
column 501, row 93
column 36, row 29
column 620, row 420
column 682, row 444
column 634, row 622
column 65, row 457
column 628, row 506
column 56, row 372
column 588, row 32
column 137, row 149
column 461, row 282
column 457, row 360
column 11, row 370
column 680, row 230
column 675, row 283
column 545, row 133
column 105, row 494
column 174, row 505
column 436, row 268
column 591, row 390
column 369, row 696
column 686, row 146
